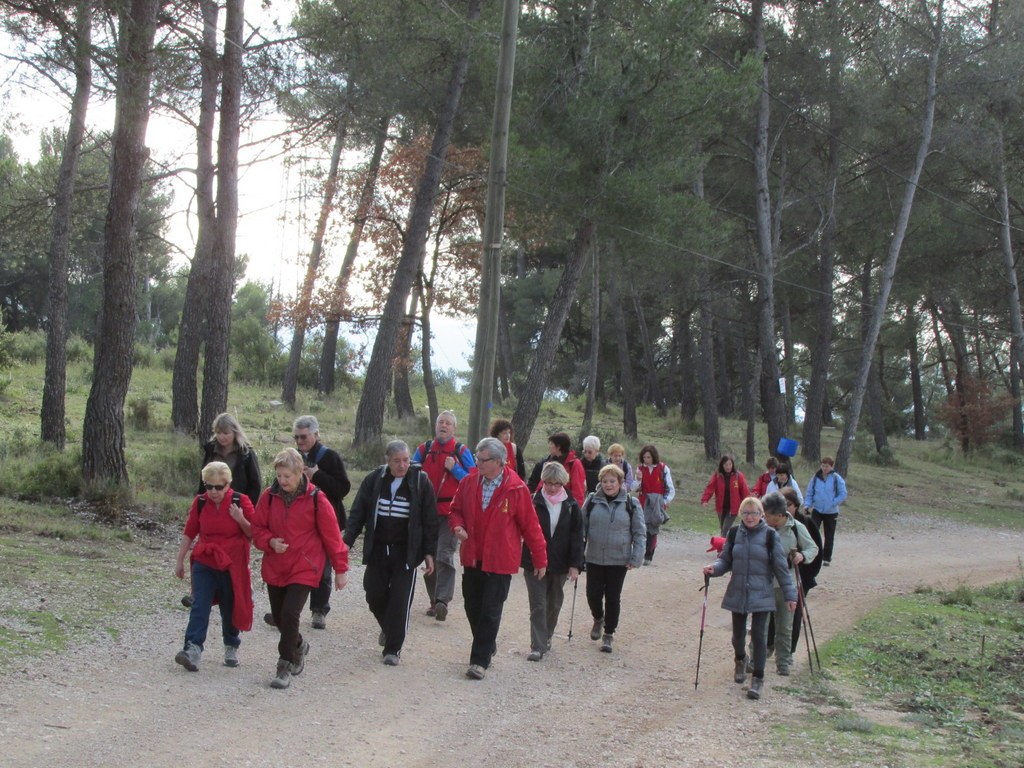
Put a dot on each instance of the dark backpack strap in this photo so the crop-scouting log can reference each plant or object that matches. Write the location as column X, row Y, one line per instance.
column 200, row 502
column 320, row 453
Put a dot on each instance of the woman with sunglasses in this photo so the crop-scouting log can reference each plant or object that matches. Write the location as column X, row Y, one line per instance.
column 219, row 521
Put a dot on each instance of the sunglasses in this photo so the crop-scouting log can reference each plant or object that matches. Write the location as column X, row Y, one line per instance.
column 212, row 487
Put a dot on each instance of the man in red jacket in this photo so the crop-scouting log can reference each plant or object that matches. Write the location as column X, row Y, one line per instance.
column 446, row 462
column 492, row 515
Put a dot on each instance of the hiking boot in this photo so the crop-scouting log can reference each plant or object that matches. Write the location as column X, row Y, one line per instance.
column 187, row 601
column 269, row 619
column 782, row 670
column 475, row 672
column 319, row 620
column 391, row 659
column 740, row 674
column 595, row 632
column 606, row 644
column 283, row 677
column 535, row 655
column 431, row 611
column 440, row 611
column 230, row 656
column 189, row 657
column 382, row 639
column 754, row 692
column 300, row 658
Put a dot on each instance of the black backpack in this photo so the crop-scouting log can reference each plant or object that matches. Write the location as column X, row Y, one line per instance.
column 809, row 570
column 236, row 497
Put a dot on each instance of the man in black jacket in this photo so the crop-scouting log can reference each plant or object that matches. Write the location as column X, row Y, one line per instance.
column 395, row 507
column 324, row 469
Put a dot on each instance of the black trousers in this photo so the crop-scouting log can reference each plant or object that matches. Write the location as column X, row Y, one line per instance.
column 389, row 583
column 286, row 604
column 828, row 522
column 604, row 593
column 484, row 596
column 320, row 598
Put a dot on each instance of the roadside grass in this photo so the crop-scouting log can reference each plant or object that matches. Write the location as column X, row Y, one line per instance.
column 928, row 679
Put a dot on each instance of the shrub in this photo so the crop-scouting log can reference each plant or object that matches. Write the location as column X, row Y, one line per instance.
column 78, row 350
column 139, row 413
column 29, row 346
column 55, row 473
column 6, row 349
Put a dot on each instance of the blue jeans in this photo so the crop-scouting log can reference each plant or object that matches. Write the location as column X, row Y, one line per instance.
column 208, row 584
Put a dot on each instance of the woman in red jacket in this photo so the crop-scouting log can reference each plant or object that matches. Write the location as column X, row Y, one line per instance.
column 729, row 487
column 294, row 526
column 219, row 565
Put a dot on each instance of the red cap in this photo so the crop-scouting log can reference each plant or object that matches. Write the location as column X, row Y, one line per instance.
column 717, row 544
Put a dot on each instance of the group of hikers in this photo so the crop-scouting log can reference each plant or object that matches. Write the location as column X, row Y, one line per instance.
column 423, row 506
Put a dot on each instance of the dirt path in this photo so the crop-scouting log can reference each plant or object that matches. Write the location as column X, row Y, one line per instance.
column 125, row 703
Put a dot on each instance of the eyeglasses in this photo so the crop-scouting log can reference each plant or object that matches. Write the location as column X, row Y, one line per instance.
column 482, row 459
column 212, row 487
column 302, row 437
column 751, row 513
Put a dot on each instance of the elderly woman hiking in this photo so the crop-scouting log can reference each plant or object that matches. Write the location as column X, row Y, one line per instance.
column 754, row 554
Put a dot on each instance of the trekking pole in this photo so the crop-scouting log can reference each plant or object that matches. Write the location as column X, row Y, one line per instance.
column 572, row 612
column 703, row 613
column 802, row 607
column 810, row 627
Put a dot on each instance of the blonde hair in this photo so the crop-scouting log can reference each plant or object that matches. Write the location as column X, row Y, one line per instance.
column 290, row 459
column 216, row 470
column 617, row 448
column 611, row 469
column 554, row 472
column 751, row 502
column 225, row 422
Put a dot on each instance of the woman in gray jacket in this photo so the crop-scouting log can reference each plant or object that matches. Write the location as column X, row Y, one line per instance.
column 616, row 536
column 754, row 554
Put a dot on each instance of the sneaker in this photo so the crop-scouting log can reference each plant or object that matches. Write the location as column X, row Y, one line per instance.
column 230, row 656
column 535, row 655
column 319, row 620
column 595, row 632
column 391, row 659
column 283, row 677
column 754, row 692
column 782, row 671
column 475, row 672
column 606, row 644
column 647, row 561
column 187, row 601
column 269, row 619
column 189, row 657
column 740, row 674
column 431, row 611
column 440, row 611
column 826, row 562
column 300, row 658
column 382, row 639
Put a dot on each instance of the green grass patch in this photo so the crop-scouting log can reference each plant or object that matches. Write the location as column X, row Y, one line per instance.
column 949, row 664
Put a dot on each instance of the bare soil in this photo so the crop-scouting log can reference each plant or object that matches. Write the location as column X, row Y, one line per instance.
column 125, row 702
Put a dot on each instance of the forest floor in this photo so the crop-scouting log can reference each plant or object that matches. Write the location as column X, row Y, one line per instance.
column 121, row 700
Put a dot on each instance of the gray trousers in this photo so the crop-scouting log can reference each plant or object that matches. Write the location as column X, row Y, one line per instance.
column 441, row 583
column 546, row 596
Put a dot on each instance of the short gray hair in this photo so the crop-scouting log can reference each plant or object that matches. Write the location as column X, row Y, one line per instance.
column 450, row 415
column 553, row 472
column 307, row 422
column 395, row 446
column 494, row 447
column 592, row 441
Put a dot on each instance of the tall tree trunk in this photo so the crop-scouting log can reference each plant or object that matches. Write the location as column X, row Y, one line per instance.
column 895, row 246
column 505, row 357
column 191, row 330
column 370, row 413
column 652, row 390
column 103, row 457
column 304, row 301
column 708, row 389
column 1013, row 295
column 951, row 316
column 940, row 350
column 339, row 300
column 595, row 346
column 789, row 370
column 627, row 382
column 428, row 365
column 486, row 349
column 750, row 374
column 688, row 386
column 533, row 388
column 772, row 401
column 874, row 393
column 216, row 365
column 52, row 429
column 403, row 362
column 913, row 351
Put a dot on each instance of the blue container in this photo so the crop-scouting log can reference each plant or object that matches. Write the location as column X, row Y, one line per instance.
column 787, row 447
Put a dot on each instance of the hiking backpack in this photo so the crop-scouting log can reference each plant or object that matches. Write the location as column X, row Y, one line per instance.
column 809, row 570
column 236, row 497
column 457, row 454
